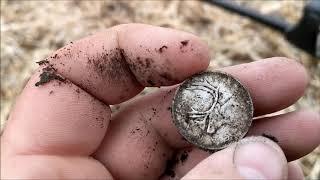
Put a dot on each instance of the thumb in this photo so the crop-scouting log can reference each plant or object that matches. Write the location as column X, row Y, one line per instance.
column 250, row 158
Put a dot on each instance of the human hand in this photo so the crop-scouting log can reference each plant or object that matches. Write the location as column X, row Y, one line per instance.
column 64, row 128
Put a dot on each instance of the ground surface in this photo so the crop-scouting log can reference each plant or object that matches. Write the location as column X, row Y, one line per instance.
column 30, row 30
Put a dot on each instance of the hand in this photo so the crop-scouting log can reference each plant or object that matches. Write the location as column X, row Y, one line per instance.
column 64, row 128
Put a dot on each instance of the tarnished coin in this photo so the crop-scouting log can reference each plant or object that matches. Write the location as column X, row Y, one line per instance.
column 212, row 110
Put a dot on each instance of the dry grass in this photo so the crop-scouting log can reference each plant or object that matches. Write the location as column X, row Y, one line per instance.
column 32, row 29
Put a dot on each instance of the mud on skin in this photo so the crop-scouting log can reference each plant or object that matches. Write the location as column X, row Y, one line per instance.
column 145, row 67
column 43, row 62
column 184, row 43
column 106, row 64
column 48, row 74
column 172, row 163
column 163, row 48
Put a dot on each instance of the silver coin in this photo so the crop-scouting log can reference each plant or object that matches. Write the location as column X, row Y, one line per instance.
column 212, row 110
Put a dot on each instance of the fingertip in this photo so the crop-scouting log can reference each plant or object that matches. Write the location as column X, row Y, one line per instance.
column 274, row 83
column 290, row 67
column 287, row 129
column 298, row 67
column 161, row 56
column 260, row 158
column 305, row 122
column 250, row 158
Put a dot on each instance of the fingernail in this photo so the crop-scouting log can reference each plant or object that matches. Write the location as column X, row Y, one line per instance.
column 259, row 158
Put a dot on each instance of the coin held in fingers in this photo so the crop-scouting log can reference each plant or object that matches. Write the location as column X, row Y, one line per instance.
column 212, row 110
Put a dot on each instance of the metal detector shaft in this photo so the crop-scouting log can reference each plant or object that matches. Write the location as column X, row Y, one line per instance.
column 272, row 22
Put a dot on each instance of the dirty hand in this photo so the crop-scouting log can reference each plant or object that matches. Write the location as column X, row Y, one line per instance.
column 63, row 127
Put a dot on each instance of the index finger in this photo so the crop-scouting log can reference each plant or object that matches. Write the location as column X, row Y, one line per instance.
column 116, row 64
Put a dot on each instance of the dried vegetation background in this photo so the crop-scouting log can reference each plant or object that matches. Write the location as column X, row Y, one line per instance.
column 30, row 30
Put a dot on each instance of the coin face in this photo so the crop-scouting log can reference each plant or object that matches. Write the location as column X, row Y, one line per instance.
column 212, row 110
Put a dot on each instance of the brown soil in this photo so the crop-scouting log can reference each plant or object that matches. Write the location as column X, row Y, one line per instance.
column 172, row 163
column 43, row 62
column 162, row 48
column 48, row 74
column 184, row 43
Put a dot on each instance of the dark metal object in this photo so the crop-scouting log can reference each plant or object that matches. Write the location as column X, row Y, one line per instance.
column 305, row 34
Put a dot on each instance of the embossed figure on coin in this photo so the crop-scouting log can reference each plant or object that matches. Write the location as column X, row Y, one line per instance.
column 206, row 119
column 212, row 110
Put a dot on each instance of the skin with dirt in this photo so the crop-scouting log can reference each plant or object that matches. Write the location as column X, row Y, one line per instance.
column 185, row 42
column 48, row 74
column 173, row 162
column 162, row 48
column 43, row 62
